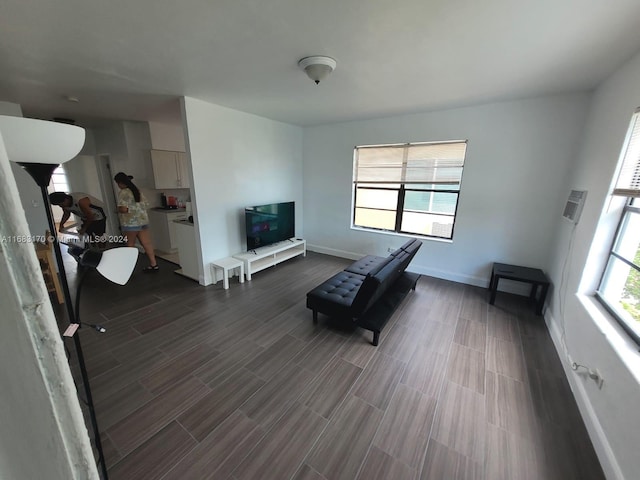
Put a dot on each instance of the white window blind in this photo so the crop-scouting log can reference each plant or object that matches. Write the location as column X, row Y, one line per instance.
column 628, row 183
column 418, row 163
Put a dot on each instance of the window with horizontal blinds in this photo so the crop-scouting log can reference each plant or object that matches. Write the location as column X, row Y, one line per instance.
column 410, row 188
column 628, row 183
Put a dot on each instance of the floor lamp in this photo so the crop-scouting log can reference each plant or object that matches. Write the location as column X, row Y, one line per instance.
column 39, row 147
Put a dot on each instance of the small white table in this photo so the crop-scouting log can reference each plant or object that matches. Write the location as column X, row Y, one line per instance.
column 226, row 265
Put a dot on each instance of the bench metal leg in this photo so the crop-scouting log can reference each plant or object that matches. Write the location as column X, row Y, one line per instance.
column 493, row 288
column 315, row 316
column 376, row 338
column 543, row 296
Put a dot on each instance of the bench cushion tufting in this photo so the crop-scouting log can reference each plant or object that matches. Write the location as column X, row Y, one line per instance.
column 364, row 265
column 336, row 294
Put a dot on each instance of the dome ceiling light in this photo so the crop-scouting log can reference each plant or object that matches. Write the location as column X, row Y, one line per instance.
column 317, row 67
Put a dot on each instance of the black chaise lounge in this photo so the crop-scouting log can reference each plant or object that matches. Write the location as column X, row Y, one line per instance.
column 368, row 291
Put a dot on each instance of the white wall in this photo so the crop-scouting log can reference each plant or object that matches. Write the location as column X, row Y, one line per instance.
column 237, row 160
column 138, row 142
column 518, row 155
column 31, row 200
column 167, row 136
column 128, row 145
column 82, row 176
column 591, row 337
column 89, row 147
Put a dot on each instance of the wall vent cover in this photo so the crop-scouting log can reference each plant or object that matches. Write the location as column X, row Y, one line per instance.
column 573, row 207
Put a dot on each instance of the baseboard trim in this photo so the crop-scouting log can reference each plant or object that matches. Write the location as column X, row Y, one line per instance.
column 453, row 277
column 431, row 272
column 335, row 252
column 599, row 439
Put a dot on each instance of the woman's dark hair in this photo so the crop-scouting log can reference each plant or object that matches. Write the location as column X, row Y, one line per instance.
column 125, row 179
column 58, row 198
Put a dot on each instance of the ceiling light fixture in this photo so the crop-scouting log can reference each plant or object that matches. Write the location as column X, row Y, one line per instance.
column 317, row 67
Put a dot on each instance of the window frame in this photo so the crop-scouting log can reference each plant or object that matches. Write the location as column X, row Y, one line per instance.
column 627, row 186
column 402, row 189
column 59, row 186
column 628, row 209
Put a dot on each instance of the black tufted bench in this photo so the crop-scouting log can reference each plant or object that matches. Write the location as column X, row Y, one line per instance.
column 368, row 290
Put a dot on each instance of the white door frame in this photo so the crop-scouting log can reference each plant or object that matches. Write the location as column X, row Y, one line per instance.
column 109, row 196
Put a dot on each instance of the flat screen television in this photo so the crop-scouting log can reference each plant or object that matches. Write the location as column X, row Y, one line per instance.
column 269, row 224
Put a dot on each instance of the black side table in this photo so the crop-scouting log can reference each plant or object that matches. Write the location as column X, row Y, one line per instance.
column 534, row 276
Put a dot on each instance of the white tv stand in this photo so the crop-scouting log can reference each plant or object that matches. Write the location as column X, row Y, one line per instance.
column 265, row 257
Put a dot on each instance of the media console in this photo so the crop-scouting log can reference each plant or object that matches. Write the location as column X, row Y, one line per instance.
column 265, row 257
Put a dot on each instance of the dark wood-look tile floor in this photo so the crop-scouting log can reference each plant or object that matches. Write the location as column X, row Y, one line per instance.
column 205, row 383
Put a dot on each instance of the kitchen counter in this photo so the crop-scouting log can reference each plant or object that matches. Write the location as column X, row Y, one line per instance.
column 168, row 210
column 184, row 222
column 163, row 228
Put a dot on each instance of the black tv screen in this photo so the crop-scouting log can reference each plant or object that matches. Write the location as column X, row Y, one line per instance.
column 269, row 224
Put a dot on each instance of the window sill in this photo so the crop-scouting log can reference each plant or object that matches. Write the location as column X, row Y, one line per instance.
column 405, row 235
column 624, row 346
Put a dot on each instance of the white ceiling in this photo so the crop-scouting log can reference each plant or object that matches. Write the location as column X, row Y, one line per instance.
column 131, row 59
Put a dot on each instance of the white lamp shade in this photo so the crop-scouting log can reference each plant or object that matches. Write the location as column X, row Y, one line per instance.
column 117, row 264
column 28, row 140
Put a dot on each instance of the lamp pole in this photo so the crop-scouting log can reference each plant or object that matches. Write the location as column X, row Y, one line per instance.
column 41, row 173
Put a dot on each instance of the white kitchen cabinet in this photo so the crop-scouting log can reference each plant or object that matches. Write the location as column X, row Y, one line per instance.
column 163, row 230
column 169, row 169
column 186, row 240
